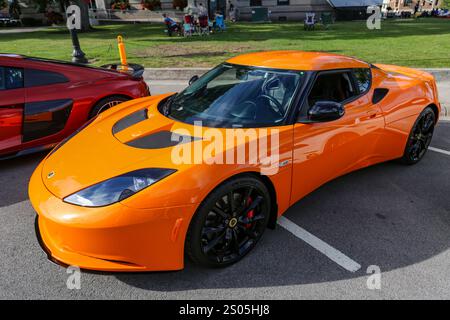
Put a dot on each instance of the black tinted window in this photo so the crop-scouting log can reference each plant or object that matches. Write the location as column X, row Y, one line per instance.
column 11, row 78
column 335, row 87
column 236, row 96
column 34, row 77
column 362, row 77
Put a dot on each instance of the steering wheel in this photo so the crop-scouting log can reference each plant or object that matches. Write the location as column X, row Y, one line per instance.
column 277, row 107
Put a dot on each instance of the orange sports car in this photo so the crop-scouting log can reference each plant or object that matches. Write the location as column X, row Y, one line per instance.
column 202, row 173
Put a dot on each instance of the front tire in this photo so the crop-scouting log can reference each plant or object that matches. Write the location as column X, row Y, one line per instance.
column 420, row 137
column 223, row 231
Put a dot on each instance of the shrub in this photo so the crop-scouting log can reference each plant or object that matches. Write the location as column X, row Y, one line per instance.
column 31, row 22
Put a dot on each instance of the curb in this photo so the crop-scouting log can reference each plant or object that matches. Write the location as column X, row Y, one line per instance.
column 440, row 74
column 172, row 73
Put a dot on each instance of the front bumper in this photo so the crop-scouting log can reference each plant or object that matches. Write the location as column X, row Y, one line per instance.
column 111, row 238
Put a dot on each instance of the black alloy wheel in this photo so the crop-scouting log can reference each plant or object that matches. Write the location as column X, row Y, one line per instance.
column 229, row 222
column 420, row 137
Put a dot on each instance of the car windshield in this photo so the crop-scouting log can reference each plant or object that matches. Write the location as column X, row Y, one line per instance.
column 236, row 96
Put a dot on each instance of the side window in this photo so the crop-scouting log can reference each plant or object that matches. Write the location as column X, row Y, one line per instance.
column 34, row 78
column 11, row 78
column 363, row 78
column 335, row 86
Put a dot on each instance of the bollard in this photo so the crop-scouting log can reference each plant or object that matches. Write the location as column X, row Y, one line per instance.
column 122, row 53
column 77, row 54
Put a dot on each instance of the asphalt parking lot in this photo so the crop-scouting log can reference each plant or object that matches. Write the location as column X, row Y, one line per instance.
column 391, row 216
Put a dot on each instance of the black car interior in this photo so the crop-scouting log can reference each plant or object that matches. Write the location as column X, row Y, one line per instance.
column 335, row 87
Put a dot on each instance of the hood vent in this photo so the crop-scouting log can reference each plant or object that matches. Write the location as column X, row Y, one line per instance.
column 129, row 120
column 160, row 139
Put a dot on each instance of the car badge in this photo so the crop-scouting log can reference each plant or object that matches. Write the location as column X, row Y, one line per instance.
column 51, row 174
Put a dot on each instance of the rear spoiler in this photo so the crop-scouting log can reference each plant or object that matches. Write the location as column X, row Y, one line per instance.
column 132, row 69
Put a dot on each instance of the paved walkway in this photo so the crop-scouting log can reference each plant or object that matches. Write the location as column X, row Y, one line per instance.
column 24, row 29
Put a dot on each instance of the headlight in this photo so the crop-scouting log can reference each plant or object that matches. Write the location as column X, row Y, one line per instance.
column 117, row 188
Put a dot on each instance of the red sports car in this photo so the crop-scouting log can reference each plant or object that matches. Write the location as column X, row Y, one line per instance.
column 43, row 101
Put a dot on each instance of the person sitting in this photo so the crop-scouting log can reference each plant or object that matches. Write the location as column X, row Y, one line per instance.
column 188, row 29
column 202, row 11
column 188, row 25
column 172, row 26
column 219, row 21
column 189, row 19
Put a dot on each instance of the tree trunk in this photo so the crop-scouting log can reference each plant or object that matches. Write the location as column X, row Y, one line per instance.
column 85, row 24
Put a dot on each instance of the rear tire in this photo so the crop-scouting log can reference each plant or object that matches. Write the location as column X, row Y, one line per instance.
column 222, row 232
column 105, row 104
column 420, row 137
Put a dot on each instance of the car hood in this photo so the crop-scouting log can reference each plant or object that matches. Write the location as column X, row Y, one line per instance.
column 130, row 136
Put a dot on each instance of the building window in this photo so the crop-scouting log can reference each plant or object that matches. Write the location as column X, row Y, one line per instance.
column 283, row 2
column 255, row 3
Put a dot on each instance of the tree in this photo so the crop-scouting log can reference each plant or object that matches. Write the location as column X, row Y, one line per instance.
column 84, row 9
column 3, row 4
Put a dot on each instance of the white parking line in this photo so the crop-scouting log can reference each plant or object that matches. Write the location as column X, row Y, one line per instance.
column 332, row 253
column 439, row 150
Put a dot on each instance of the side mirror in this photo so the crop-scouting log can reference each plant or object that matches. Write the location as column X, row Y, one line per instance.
column 323, row 111
column 193, row 79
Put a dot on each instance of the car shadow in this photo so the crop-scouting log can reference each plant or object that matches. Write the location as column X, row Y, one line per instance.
column 15, row 174
column 388, row 215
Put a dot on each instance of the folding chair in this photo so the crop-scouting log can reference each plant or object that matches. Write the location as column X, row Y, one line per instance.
column 326, row 19
column 309, row 21
column 204, row 25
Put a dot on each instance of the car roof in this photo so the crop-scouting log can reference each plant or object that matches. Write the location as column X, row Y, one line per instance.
column 11, row 56
column 53, row 61
column 298, row 60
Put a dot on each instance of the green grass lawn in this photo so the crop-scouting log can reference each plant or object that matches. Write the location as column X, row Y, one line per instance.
column 419, row 43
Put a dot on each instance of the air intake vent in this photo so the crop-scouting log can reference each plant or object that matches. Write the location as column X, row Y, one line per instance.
column 379, row 94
